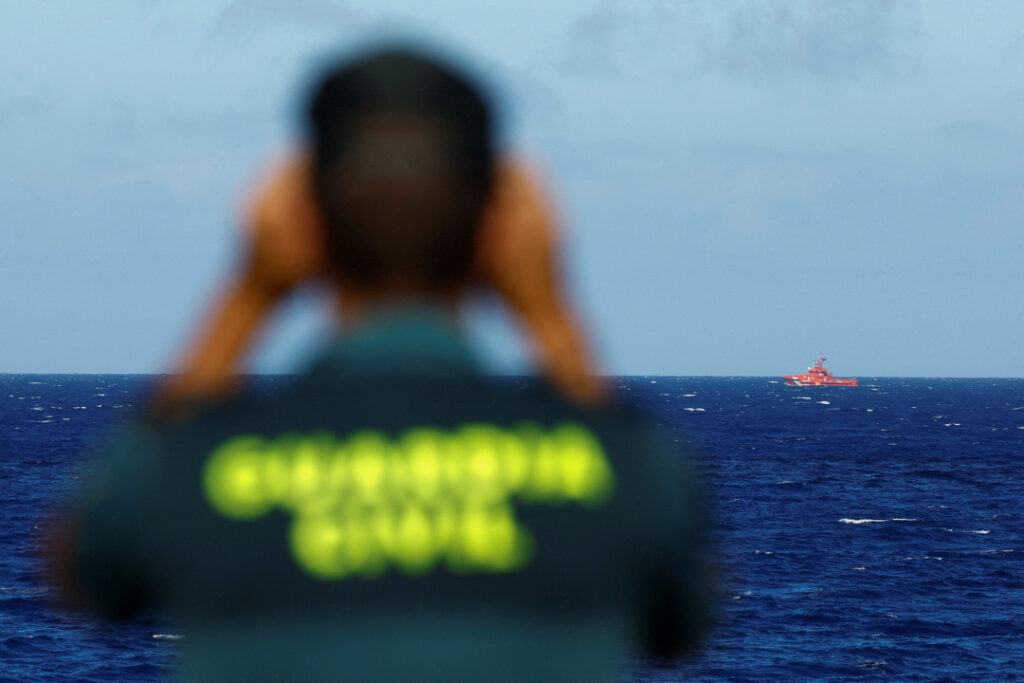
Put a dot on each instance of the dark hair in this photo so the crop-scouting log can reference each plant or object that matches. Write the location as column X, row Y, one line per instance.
column 403, row 158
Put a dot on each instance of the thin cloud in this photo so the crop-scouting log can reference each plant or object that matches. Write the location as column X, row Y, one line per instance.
column 613, row 38
column 746, row 39
column 828, row 39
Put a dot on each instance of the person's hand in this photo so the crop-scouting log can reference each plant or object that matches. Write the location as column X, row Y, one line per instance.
column 284, row 234
column 518, row 255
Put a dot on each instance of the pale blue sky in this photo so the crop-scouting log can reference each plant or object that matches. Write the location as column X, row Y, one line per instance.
column 745, row 183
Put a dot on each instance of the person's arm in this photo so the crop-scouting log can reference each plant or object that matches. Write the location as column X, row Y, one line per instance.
column 282, row 250
column 520, row 257
column 209, row 365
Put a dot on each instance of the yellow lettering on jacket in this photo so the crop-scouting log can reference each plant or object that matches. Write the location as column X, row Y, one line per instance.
column 426, row 498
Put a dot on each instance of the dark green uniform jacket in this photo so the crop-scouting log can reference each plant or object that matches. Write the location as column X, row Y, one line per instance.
column 395, row 515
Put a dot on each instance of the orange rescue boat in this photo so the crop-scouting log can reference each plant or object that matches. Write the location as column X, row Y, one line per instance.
column 818, row 376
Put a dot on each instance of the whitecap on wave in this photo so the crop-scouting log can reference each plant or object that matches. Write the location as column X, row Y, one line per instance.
column 848, row 520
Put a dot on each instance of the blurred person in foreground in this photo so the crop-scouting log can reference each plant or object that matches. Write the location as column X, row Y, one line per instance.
column 394, row 514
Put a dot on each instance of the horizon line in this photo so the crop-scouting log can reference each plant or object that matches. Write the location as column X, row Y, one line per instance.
column 630, row 375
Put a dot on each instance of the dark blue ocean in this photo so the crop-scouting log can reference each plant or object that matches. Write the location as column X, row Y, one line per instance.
column 869, row 533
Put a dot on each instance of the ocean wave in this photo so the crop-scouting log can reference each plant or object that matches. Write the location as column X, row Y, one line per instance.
column 881, row 666
column 848, row 520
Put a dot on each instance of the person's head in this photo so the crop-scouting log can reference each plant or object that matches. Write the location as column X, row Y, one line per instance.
column 403, row 164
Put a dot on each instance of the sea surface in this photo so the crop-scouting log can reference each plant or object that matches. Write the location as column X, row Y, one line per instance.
column 868, row 533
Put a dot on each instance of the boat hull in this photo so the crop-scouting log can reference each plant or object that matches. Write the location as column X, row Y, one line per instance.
column 812, row 381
